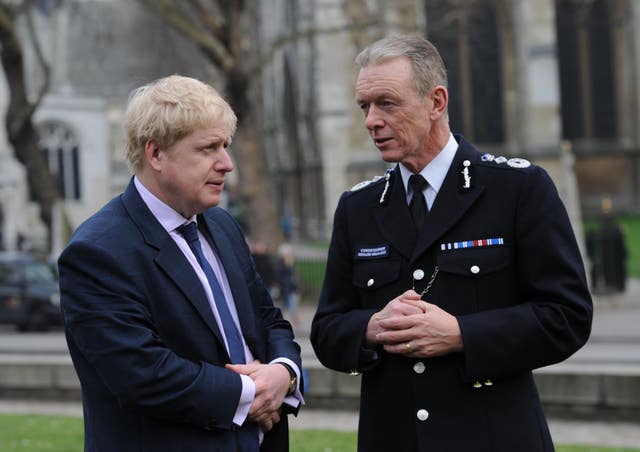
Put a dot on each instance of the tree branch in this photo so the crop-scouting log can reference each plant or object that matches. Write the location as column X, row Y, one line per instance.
column 184, row 25
column 209, row 20
column 41, row 61
column 6, row 15
column 283, row 40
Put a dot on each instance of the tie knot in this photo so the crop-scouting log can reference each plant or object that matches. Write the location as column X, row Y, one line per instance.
column 189, row 231
column 417, row 183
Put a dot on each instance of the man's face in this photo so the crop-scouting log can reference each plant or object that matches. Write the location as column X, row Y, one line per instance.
column 395, row 115
column 192, row 170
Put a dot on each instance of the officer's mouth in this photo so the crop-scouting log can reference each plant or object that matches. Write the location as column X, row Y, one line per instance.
column 381, row 142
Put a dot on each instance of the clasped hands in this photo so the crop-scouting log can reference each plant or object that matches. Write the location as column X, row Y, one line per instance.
column 272, row 384
column 412, row 327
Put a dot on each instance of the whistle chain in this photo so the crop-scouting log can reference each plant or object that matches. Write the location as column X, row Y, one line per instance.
column 429, row 284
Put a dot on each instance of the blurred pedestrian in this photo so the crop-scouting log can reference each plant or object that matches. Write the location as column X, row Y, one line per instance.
column 288, row 286
column 264, row 264
column 607, row 252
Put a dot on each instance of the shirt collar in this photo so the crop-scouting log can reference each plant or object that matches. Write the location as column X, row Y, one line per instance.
column 437, row 169
column 168, row 218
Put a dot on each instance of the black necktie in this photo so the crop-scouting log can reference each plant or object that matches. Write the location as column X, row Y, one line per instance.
column 418, row 205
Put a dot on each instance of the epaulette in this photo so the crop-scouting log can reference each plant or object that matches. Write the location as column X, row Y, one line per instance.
column 365, row 183
column 515, row 162
column 387, row 178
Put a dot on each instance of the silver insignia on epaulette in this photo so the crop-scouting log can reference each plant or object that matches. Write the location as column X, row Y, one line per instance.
column 364, row 183
column 518, row 163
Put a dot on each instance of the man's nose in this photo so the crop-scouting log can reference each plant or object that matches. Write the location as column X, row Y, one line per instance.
column 224, row 163
column 373, row 119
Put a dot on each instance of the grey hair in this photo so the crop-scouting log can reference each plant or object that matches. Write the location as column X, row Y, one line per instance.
column 427, row 64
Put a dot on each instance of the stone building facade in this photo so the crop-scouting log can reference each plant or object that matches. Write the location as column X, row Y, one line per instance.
column 555, row 81
column 98, row 51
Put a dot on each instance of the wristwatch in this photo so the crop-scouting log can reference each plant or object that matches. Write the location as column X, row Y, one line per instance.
column 294, row 378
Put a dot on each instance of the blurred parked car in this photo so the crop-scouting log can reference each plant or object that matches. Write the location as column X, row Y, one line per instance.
column 29, row 292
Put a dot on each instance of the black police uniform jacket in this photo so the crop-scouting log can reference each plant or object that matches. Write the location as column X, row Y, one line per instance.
column 521, row 304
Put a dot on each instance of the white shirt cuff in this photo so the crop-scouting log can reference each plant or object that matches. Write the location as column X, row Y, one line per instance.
column 246, row 399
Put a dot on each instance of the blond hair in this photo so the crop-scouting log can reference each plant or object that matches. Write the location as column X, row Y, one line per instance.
column 168, row 109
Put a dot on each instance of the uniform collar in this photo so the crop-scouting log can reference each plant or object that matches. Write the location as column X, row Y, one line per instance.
column 436, row 171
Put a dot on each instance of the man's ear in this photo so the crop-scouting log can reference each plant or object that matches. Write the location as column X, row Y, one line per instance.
column 440, row 99
column 153, row 154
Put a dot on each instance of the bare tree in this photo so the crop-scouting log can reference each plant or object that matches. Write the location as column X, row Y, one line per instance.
column 21, row 131
column 221, row 29
column 224, row 31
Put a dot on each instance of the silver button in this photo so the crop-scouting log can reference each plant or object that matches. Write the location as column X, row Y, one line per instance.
column 422, row 415
column 370, row 282
column 419, row 367
column 475, row 269
column 418, row 274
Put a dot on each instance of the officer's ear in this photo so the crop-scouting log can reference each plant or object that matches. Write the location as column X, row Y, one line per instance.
column 440, row 100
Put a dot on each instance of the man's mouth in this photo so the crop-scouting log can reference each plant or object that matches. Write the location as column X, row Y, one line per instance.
column 381, row 141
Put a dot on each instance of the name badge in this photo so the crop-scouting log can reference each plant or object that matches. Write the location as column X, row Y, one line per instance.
column 373, row 252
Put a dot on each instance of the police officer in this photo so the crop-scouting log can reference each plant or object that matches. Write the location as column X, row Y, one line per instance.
column 445, row 291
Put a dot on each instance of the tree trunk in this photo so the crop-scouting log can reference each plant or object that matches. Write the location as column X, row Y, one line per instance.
column 251, row 162
column 21, row 131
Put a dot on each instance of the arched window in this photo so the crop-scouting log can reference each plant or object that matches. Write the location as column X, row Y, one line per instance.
column 60, row 148
column 587, row 72
column 466, row 34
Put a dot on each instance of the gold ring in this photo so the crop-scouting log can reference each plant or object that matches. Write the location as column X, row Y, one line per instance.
column 407, row 346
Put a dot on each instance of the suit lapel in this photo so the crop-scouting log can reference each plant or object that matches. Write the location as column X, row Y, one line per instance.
column 234, row 273
column 394, row 218
column 186, row 279
column 169, row 257
column 451, row 203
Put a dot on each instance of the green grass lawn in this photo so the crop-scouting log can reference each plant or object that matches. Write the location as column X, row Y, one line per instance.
column 40, row 433
column 631, row 228
column 311, row 275
column 34, row 433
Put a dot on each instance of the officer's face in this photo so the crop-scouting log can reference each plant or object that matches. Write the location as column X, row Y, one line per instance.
column 396, row 116
column 190, row 173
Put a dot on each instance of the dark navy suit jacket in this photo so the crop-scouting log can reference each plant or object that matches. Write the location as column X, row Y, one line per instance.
column 521, row 303
column 144, row 341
